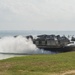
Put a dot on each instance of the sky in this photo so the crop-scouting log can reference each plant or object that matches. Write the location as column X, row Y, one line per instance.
column 47, row 15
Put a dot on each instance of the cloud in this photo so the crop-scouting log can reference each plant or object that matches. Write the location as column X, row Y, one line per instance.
column 37, row 12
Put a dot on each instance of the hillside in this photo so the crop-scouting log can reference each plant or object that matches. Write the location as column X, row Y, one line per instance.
column 56, row 64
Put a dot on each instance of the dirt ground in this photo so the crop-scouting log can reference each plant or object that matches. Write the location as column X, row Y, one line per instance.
column 71, row 72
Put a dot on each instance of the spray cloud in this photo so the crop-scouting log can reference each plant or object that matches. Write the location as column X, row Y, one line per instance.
column 17, row 45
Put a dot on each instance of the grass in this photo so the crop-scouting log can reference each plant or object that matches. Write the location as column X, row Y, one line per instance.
column 38, row 64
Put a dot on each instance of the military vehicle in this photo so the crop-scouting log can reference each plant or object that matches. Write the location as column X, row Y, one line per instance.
column 54, row 43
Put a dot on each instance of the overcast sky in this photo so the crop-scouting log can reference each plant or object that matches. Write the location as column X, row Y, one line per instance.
column 37, row 14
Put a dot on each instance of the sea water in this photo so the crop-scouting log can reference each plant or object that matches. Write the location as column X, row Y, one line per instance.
column 11, row 46
column 33, row 32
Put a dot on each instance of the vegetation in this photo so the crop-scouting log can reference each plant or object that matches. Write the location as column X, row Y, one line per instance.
column 38, row 64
